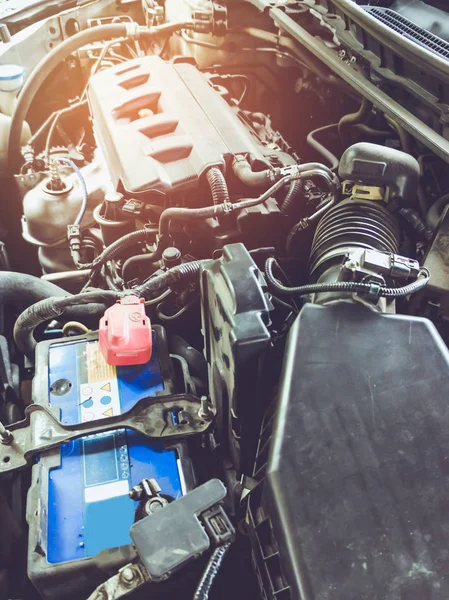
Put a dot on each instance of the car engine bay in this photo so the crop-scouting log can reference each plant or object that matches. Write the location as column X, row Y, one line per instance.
column 224, row 300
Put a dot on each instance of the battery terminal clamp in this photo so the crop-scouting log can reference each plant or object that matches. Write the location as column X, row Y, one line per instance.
column 125, row 336
column 148, row 494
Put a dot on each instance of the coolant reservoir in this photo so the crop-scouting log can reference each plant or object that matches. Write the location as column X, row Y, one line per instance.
column 47, row 212
column 11, row 81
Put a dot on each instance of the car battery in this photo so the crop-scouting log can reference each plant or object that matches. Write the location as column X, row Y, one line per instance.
column 78, row 509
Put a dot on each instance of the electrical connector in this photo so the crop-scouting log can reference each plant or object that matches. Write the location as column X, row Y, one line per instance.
column 213, row 19
column 74, row 237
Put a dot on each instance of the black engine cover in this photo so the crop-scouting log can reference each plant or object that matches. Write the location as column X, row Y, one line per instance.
column 357, row 486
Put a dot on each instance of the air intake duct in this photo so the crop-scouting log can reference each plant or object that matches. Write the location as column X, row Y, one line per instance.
column 352, row 224
column 379, row 181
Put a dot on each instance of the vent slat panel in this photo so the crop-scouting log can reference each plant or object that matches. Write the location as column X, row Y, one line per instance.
column 410, row 30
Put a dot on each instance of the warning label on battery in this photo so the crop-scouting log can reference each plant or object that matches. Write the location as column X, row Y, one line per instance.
column 97, row 367
column 99, row 394
column 99, row 400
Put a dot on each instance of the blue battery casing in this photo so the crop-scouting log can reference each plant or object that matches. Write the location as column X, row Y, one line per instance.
column 84, row 506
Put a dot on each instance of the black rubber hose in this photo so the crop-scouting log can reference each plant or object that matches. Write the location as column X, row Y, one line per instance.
column 54, row 58
column 244, row 172
column 405, row 139
column 23, row 290
column 210, row 573
column 373, row 290
column 218, row 186
column 187, row 215
column 304, row 171
column 364, row 131
column 436, row 210
column 117, row 247
column 347, row 121
column 322, row 150
column 196, row 361
column 192, row 214
column 414, row 220
column 292, row 196
column 135, row 261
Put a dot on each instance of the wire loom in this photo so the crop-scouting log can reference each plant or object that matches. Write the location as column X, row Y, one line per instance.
column 372, row 290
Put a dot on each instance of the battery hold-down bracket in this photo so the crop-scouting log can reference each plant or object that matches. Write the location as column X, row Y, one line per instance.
column 185, row 529
column 153, row 417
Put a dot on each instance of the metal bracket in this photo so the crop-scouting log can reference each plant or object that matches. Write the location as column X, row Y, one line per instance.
column 54, row 34
column 364, row 192
column 152, row 417
column 130, row 577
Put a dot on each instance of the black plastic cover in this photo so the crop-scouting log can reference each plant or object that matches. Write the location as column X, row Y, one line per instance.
column 174, row 535
column 372, row 164
column 235, row 312
column 358, row 475
column 161, row 125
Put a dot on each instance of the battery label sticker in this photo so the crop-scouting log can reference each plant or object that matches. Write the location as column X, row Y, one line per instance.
column 97, row 367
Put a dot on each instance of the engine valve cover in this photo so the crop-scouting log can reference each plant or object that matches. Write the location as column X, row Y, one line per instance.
column 161, row 125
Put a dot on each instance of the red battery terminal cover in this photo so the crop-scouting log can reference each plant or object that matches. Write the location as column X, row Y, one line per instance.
column 125, row 336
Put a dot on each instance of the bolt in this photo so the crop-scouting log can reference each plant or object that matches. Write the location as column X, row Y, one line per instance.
column 155, row 504
column 205, row 411
column 352, row 264
column 128, row 575
column 136, row 493
column 5, row 435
